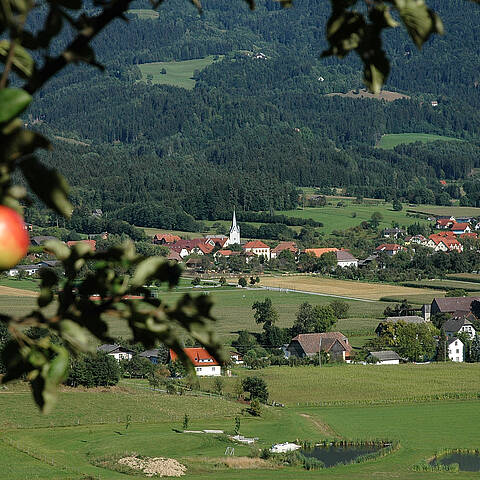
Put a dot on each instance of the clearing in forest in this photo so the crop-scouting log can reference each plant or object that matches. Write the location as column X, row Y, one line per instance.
column 391, row 140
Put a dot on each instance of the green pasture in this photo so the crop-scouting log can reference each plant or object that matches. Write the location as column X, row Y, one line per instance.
column 178, row 74
column 351, row 215
column 24, row 284
column 391, row 140
column 445, row 284
column 442, row 210
column 465, row 277
column 89, row 424
column 347, row 383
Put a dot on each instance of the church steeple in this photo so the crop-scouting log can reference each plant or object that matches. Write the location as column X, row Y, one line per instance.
column 234, row 231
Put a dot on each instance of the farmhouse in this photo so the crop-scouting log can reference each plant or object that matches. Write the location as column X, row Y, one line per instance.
column 394, row 232
column 309, row 344
column 389, row 248
column 28, row 269
column 282, row 246
column 41, row 239
column 457, row 325
column 163, row 238
column 459, row 228
column 258, row 248
column 452, row 304
column 443, row 223
column 116, row 351
column 91, row 243
column 205, row 365
column 455, row 349
column 151, row 355
column 345, row 259
column 384, row 357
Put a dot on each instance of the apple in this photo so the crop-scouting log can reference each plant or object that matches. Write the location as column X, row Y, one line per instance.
column 14, row 238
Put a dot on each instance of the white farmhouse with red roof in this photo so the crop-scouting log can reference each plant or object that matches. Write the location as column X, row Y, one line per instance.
column 205, row 365
column 258, row 248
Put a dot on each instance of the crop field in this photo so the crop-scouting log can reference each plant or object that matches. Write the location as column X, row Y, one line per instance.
column 178, row 74
column 442, row 284
column 352, row 214
column 440, row 210
column 346, row 288
column 391, row 140
column 466, row 277
column 88, row 425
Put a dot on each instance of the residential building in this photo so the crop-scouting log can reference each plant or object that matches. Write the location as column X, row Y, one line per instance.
column 41, row 239
column 28, row 269
column 457, row 325
column 389, row 248
column 394, row 232
column 205, row 365
column 443, row 223
column 117, row 351
column 452, row 304
column 346, row 259
column 258, row 248
column 91, row 243
column 282, row 246
column 455, row 349
column 163, row 238
column 459, row 228
column 309, row 344
column 151, row 355
column 384, row 357
column 318, row 252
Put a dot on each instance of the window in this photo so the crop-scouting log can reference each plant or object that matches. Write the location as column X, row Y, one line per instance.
column 458, row 351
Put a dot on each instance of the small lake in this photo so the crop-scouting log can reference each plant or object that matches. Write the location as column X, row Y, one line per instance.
column 467, row 462
column 331, row 455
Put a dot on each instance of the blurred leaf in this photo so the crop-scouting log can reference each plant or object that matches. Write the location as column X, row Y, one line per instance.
column 75, row 335
column 13, row 101
column 58, row 248
column 22, row 63
column 48, row 185
column 71, row 4
column 20, row 143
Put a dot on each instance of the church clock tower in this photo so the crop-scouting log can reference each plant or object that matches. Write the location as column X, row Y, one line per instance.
column 234, row 232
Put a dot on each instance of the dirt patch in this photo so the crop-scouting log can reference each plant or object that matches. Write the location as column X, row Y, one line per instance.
column 157, row 466
column 238, row 463
column 17, row 292
column 324, row 428
column 383, row 95
column 113, row 389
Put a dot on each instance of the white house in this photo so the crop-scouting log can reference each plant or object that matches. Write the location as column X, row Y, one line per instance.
column 455, row 349
column 346, row 259
column 116, row 351
column 385, row 357
column 258, row 248
column 457, row 325
column 205, row 365
column 28, row 269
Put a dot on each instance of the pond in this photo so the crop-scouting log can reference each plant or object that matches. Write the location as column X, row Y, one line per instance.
column 467, row 462
column 332, row 455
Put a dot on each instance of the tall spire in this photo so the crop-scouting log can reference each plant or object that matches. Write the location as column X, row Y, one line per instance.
column 234, row 221
column 234, row 231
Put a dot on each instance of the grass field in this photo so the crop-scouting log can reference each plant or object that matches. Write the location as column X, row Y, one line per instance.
column 391, row 140
column 91, row 424
column 440, row 210
column 179, row 74
column 472, row 287
column 351, row 215
column 31, row 284
column 347, row 288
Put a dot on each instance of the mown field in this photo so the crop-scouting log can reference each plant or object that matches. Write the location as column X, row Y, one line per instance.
column 178, row 74
column 391, row 140
column 144, row 13
column 346, row 288
column 441, row 210
column 87, row 425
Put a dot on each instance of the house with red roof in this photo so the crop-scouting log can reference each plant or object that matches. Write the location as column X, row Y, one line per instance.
column 258, row 248
column 163, row 238
column 91, row 243
column 204, row 364
column 460, row 228
column 389, row 248
column 310, row 344
column 318, row 252
column 444, row 223
column 282, row 246
column 444, row 243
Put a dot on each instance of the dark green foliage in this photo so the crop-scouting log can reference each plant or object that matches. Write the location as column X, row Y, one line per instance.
column 242, row 281
column 244, row 342
column 313, row 319
column 475, row 349
column 95, row 370
column 137, row 367
column 340, row 308
column 256, row 387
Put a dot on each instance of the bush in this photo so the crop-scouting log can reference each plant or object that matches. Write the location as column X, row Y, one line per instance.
column 256, row 387
column 255, row 409
column 94, row 371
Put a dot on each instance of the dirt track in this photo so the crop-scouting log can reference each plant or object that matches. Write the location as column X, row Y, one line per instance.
column 17, row 292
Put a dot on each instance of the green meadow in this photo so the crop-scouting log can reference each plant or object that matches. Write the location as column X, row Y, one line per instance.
column 178, row 74
column 391, row 140
column 361, row 403
column 144, row 13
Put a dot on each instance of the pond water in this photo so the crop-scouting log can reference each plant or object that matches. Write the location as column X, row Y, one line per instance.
column 467, row 462
column 343, row 454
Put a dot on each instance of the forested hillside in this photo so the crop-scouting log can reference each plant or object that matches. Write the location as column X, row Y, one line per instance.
column 252, row 129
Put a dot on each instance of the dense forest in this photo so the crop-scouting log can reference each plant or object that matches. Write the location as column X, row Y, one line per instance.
column 252, row 130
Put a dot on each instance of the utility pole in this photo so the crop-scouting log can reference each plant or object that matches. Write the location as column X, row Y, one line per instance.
column 320, row 352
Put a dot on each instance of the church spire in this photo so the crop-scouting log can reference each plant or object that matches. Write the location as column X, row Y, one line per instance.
column 234, row 231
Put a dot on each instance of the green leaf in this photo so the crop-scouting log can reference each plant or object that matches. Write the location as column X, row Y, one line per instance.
column 22, row 64
column 75, row 335
column 419, row 20
column 58, row 248
column 13, row 101
column 48, row 185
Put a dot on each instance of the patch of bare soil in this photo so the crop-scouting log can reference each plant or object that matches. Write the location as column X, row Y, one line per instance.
column 113, row 389
column 157, row 466
column 17, row 292
column 324, row 428
column 383, row 95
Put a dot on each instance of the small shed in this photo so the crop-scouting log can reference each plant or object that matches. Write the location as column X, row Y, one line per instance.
column 385, row 357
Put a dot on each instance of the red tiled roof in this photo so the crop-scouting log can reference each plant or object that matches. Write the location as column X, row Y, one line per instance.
column 444, row 221
column 443, row 182
column 92, row 243
column 391, row 247
column 318, row 252
column 224, row 253
column 469, row 235
column 206, row 248
column 166, row 237
column 292, row 246
column 459, row 226
column 198, row 356
column 255, row 244
column 310, row 342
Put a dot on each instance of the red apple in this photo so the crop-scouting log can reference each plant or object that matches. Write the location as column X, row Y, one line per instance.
column 14, row 239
